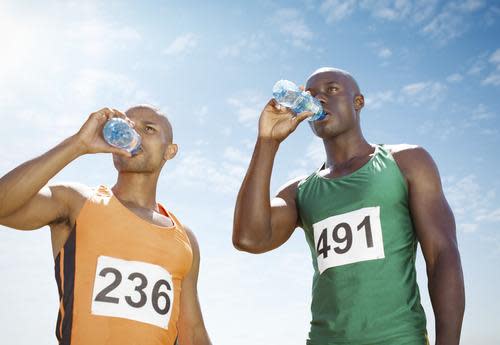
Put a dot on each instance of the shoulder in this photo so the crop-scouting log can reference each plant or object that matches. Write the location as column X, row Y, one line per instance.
column 71, row 190
column 195, row 248
column 71, row 195
column 290, row 187
column 414, row 161
column 192, row 239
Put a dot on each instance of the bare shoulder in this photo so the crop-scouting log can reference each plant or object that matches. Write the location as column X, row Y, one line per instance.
column 193, row 272
column 192, row 239
column 397, row 148
column 289, row 189
column 413, row 160
column 72, row 194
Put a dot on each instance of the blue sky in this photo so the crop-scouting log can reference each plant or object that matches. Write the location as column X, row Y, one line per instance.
column 429, row 70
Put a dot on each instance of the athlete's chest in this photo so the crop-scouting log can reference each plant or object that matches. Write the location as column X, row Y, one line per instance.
column 348, row 168
column 152, row 217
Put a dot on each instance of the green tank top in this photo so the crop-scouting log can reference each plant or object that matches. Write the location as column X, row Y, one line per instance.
column 363, row 249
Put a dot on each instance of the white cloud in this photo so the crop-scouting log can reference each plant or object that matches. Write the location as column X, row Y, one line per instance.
column 442, row 128
column 312, row 159
column 251, row 47
column 495, row 57
column 471, row 203
column 445, row 27
column 494, row 76
column 101, row 39
column 336, row 10
column 195, row 170
column 477, row 119
column 380, row 50
column 385, row 53
column 416, row 94
column 291, row 23
column 182, row 45
column 492, row 15
column 422, row 92
column 388, row 10
column 454, row 78
column 316, row 151
column 413, row 12
column 379, row 99
column 98, row 86
column 490, row 216
column 201, row 114
column 476, row 69
column 492, row 79
column 468, row 5
column 233, row 154
column 468, row 227
column 490, row 131
column 423, row 10
column 481, row 113
column 248, row 106
column 451, row 22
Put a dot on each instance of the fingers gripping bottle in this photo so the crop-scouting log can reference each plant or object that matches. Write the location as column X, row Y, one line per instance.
column 118, row 133
column 289, row 95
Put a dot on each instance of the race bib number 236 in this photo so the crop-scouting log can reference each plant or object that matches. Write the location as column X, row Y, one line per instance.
column 348, row 238
column 133, row 290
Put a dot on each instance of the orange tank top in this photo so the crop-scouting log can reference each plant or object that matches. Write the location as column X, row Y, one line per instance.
column 119, row 277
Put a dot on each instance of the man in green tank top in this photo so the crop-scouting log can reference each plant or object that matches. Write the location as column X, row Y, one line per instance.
column 363, row 213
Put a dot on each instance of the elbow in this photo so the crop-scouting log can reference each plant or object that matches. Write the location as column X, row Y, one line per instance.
column 244, row 246
column 249, row 245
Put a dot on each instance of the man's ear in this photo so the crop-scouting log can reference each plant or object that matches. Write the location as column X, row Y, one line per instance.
column 359, row 102
column 171, row 151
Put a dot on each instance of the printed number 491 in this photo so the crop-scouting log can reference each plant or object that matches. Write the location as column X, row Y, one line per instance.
column 323, row 247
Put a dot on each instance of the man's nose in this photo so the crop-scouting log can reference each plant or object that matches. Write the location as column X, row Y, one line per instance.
column 321, row 97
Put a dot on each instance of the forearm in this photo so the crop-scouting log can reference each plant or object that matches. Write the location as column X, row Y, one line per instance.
column 200, row 336
column 446, row 289
column 21, row 184
column 252, row 219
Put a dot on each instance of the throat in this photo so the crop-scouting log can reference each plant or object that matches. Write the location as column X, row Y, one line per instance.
column 348, row 166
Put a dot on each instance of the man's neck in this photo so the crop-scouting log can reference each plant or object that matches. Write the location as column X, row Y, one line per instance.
column 344, row 148
column 137, row 190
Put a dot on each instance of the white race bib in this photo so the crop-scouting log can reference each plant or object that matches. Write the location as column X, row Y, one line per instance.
column 347, row 238
column 133, row 290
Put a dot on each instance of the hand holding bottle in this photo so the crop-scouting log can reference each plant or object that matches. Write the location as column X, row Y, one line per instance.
column 90, row 136
column 277, row 122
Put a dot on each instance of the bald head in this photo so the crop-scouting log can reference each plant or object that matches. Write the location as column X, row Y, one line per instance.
column 338, row 75
column 146, row 110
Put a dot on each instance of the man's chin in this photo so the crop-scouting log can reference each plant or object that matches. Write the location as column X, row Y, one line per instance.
column 128, row 166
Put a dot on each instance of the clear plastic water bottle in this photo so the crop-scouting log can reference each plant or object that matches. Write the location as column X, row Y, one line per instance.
column 118, row 133
column 288, row 94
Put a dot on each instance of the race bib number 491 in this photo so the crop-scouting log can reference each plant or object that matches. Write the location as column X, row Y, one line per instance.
column 133, row 290
column 348, row 238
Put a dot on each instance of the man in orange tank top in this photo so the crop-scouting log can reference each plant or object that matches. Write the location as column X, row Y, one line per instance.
column 126, row 268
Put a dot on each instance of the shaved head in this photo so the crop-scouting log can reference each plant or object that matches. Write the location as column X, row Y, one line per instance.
column 146, row 109
column 344, row 75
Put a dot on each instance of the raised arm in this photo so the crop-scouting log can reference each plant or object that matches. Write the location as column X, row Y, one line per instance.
column 260, row 224
column 26, row 203
column 435, row 228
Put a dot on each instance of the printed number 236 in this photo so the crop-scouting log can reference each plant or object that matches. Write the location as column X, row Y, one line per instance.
column 102, row 296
